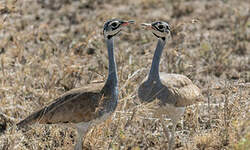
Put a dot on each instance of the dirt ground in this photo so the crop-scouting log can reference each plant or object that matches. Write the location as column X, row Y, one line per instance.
column 48, row 47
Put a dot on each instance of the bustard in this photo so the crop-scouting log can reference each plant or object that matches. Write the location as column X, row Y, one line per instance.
column 166, row 94
column 88, row 105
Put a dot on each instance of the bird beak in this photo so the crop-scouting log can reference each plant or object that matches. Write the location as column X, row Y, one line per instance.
column 147, row 25
column 125, row 23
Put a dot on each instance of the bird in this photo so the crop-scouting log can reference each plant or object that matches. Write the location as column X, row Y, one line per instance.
column 89, row 105
column 166, row 94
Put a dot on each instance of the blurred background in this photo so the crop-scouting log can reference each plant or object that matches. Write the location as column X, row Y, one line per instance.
column 48, row 47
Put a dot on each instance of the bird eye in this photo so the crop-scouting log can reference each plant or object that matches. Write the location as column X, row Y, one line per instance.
column 160, row 26
column 114, row 24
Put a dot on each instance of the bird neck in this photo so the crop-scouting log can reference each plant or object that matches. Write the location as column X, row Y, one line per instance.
column 111, row 86
column 154, row 71
column 112, row 80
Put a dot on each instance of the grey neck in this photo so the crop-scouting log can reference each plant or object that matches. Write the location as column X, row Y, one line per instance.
column 154, row 71
column 112, row 80
column 111, row 85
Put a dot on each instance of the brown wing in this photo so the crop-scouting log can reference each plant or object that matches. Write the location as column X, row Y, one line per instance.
column 182, row 90
column 77, row 105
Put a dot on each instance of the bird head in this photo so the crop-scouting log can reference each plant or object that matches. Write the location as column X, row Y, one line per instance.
column 160, row 29
column 113, row 27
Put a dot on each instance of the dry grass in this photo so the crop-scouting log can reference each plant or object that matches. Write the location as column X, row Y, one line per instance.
column 49, row 47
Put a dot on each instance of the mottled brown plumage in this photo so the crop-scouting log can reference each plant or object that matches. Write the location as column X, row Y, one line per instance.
column 185, row 92
column 78, row 105
column 174, row 89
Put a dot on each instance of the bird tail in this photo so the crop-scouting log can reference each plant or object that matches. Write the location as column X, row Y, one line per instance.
column 31, row 119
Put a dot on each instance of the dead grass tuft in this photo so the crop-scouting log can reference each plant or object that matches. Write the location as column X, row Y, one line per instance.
column 50, row 47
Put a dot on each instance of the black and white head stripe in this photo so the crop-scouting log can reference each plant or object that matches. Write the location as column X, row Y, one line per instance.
column 159, row 28
column 114, row 23
column 114, row 26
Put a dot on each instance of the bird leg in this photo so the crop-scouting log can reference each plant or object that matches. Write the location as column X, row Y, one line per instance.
column 79, row 141
column 165, row 129
column 172, row 139
column 82, row 129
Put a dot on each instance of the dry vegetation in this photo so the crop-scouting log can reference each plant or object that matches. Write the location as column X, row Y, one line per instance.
column 48, row 47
